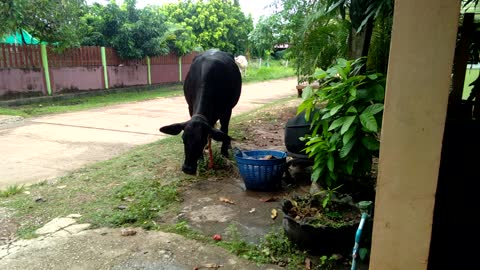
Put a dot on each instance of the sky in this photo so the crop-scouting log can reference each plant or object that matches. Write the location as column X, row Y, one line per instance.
column 254, row 7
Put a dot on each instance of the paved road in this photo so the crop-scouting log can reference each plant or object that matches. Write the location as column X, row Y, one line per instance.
column 47, row 147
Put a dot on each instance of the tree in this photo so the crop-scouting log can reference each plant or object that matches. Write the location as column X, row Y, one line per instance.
column 267, row 34
column 323, row 30
column 134, row 33
column 53, row 21
column 215, row 24
column 363, row 14
column 316, row 38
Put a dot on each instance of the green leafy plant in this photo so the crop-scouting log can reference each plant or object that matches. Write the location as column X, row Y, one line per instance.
column 346, row 117
column 330, row 193
column 11, row 190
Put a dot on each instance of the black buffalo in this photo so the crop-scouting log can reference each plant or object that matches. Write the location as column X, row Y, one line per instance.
column 212, row 88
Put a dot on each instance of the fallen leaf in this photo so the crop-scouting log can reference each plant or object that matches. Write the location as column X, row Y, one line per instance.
column 274, row 214
column 128, row 232
column 252, row 210
column 225, row 200
column 308, row 264
column 270, row 199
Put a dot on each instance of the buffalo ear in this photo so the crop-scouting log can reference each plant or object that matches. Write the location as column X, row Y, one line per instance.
column 173, row 129
column 219, row 136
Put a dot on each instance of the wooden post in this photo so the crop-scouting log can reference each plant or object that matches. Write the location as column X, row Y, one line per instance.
column 104, row 64
column 418, row 81
column 149, row 75
column 43, row 52
column 180, row 69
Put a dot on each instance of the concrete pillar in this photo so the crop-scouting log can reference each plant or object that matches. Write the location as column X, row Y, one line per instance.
column 421, row 56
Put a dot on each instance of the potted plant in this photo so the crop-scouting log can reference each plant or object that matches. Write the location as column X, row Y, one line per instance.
column 345, row 112
column 321, row 223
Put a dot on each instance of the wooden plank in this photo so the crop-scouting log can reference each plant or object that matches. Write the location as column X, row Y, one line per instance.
column 76, row 59
column 34, row 56
column 20, row 56
column 10, row 56
column 4, row 55
column 27, row 55
column 17, row 64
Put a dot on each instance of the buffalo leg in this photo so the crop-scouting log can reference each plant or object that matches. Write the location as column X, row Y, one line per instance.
column 224, row 122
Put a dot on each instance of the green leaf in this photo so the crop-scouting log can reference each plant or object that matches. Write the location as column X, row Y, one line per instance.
column 342, row 62
column 347, row 148
column 330, row 162
column 303, row 106
column 341, row 72
column 326, row 116
column 338, row 122
column 371, row 143
column 316, row 174
column 348, row 122
column 320, row 74
column 349, row 134
column 325, row 201
column 350, row 163
column 378, row 92
column 372, row 76
column 307, row 92
column 352, row 91
column 362, row 252
column 374, row 109
column 352, row 110
column 332, row 72
column 368, row 122
column 335, row 109
column 334, row 139
column 362, row 94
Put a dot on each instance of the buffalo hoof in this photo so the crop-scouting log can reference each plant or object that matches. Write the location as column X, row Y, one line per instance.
column 189, row 169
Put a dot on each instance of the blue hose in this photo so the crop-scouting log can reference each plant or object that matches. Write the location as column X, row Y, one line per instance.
column 364, row 207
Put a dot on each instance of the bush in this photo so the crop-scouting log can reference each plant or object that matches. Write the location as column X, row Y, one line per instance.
column 345, row 132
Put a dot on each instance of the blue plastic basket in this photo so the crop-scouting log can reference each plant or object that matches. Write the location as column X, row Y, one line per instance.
column 259, row 174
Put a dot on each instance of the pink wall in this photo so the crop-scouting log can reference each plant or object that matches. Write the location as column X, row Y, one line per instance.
column 76, row 78
column 18, row 80
column 164, row 73
column 21, row 81
column 119, row 76
column 185, row 69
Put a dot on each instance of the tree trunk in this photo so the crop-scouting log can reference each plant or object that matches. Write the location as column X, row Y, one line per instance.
column 359, row 42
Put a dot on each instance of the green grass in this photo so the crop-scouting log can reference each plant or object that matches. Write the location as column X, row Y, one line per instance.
column 470, row 76
column 145, row 181
column 254, row 74
column 275, row 70
column 11, row 190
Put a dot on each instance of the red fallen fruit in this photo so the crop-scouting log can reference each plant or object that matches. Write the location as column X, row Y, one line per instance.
column 217, row 237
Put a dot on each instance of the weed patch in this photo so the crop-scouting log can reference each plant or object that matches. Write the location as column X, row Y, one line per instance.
column 11, row 190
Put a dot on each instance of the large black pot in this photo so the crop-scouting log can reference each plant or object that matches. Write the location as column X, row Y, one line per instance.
column 295, row 128
column 319, row 240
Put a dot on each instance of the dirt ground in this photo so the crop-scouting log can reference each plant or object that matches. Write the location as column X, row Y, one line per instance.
column 205, row 209
column 214, row 205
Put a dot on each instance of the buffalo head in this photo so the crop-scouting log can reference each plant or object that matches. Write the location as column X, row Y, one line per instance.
column 195, row 136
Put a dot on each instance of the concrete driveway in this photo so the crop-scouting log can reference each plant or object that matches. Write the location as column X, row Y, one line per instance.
column 42, row 148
